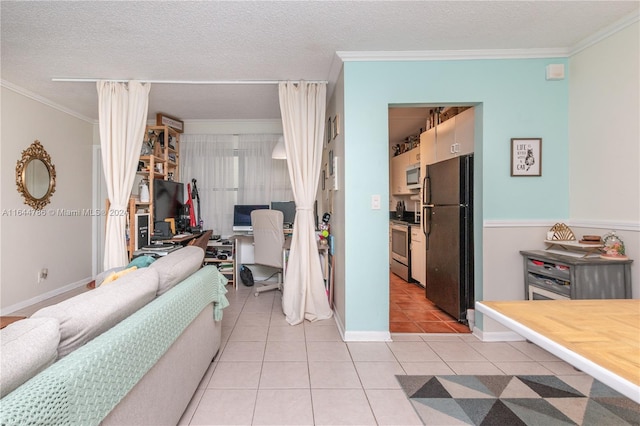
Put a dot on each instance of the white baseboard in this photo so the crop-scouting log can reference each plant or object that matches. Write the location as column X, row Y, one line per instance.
column 42, row 297
column 360, row 336
column 367, row 336
column 497, row 336
column 339, row 323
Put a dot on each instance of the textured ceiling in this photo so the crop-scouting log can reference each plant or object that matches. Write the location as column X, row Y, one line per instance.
column 265, row 40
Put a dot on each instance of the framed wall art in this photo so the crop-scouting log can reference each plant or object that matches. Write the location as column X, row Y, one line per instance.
column 526, row 157
column 331, row 163
column 166, row 120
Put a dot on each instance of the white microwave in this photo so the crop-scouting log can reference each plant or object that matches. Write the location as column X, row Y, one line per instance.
column 413, row 176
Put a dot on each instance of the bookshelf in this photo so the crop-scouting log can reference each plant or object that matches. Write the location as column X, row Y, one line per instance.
column 227, row 267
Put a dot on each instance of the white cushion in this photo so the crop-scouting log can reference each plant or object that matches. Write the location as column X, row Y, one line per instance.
column 176, row 266
column 28, row 347
column 90, row 314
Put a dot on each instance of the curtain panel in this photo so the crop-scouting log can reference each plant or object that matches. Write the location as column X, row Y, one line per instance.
column 232, row 170
column 261, row 178
column 210, row 159
column 122, row 109
column 302, row 107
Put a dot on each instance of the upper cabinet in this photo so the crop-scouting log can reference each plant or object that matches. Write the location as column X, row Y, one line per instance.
column 428, row 147
column 398, row 171
column 465, row 132
column 449, row 139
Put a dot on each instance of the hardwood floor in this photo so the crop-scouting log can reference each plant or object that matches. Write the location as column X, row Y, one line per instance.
column 411, row 312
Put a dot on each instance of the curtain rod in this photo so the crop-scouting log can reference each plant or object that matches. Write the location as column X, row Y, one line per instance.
column 203, row 82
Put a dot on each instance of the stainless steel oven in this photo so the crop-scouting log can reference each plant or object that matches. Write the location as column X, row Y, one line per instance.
column 400, row 255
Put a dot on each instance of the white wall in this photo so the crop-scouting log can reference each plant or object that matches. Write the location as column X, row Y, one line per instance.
column 61, row 243
column 333, row 201
column 604, row 141
column 604, row 155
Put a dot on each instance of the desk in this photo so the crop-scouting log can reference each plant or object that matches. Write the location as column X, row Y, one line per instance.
column 600, row 337
column 244, row 255
column 179, row 238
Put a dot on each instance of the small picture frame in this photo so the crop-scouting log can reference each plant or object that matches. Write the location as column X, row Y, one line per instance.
column 163, row 119
column 328, row 133
column 526, row 157
column 324, row 179
column 331, row 163
column 335, row 126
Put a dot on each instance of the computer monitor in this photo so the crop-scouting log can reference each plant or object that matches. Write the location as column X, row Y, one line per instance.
column 242, row 216
column 168, row 198
column 288, row 209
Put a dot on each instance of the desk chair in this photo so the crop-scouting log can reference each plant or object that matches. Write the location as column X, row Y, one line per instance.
column 268, row 240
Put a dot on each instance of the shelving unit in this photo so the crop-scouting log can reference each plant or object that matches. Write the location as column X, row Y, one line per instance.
column 226, row 266
column 569, row 277
column 162, row 163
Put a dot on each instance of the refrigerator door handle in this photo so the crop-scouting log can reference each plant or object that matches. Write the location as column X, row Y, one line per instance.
column 426, row 222
column 426, row 190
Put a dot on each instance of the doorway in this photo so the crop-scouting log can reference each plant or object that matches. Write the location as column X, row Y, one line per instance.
column 409, row 309
column 411, row 312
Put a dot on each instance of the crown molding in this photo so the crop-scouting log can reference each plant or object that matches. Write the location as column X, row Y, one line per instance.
column 607, row 31
column 451, row 55
column 460, row 55
column 45, row 101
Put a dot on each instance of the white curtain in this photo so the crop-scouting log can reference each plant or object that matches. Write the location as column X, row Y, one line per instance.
column 122, row 109
column 210, row 159
column 302, row 106
column 261, row 178
column 232, row 170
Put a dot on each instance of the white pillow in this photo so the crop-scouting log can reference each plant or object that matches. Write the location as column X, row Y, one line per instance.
column 28, row 347
column 176, row 266
column 91, row 313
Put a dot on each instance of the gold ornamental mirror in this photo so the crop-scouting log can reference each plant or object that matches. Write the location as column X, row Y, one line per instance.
column 36, row 176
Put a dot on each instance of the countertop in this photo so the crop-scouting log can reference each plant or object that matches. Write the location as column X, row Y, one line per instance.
column 408, row 218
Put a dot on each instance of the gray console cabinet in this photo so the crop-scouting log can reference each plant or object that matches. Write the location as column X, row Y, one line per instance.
column 576, row 277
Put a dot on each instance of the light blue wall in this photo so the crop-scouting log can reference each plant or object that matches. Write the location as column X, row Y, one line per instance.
column 516, row 101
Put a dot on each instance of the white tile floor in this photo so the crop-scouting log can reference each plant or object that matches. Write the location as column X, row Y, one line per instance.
column 270, row 373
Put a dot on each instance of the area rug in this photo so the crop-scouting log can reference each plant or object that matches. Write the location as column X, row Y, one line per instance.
column 517, row 400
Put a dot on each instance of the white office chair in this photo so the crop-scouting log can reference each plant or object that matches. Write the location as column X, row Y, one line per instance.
column 268, row 240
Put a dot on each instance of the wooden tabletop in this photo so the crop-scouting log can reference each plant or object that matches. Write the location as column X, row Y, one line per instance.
column 604, row 332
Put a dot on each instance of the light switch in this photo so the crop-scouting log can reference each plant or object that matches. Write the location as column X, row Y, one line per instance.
column 375, row 202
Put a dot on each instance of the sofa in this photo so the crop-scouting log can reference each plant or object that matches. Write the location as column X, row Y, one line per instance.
column 130, row 352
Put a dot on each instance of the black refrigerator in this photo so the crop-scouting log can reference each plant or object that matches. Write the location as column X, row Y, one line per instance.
column 447, row 212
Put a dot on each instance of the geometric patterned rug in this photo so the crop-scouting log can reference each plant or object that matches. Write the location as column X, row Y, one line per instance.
column 518, row 400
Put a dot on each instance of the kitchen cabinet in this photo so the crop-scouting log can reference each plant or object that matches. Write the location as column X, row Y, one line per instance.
column 445, row 140
column 456, row 135
column 465, row 131
column 554, row 276
column 418, row 255
column 398, row 171
column 428, row 147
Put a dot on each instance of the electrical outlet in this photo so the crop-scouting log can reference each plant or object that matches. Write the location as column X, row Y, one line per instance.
column 375, row 202
column 42, row 275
